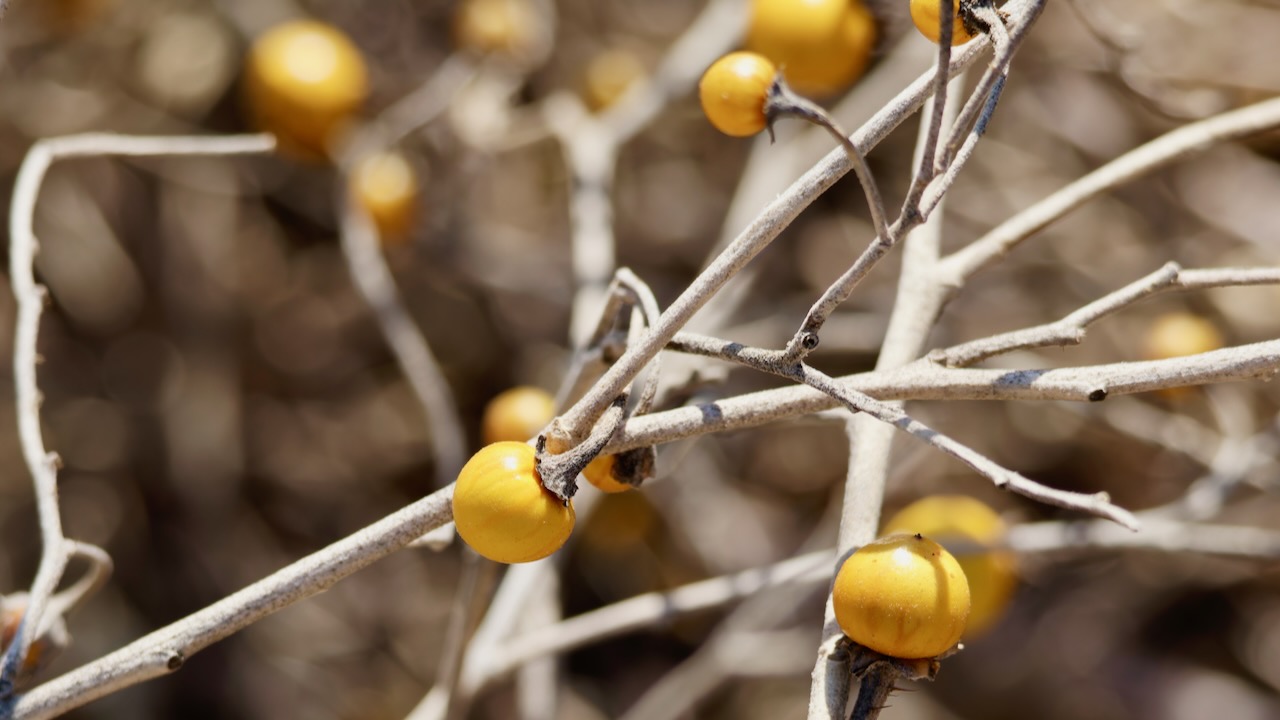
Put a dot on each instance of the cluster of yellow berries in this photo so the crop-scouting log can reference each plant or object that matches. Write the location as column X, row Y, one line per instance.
column 500, row 506
column 819, row 47
column 305, row 82
column 906, row 596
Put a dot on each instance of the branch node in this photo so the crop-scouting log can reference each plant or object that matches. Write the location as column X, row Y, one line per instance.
column 175, row 661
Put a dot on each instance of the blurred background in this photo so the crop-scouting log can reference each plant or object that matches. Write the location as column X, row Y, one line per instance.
column 224, row 402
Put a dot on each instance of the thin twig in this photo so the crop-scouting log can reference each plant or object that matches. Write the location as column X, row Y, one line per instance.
column 918, row 206
column 31, row 297
column 373, row 279
column 168, row 648
column 573, row 425
column 923, row 380
column 1071, row 329
column 1168, row 148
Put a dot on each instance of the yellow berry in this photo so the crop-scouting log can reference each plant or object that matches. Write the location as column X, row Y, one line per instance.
column 924, row 13
column 600, row 473
column 502, row 510
column 733, row 93
column 305, row 81
column 495, row 26
column 1178, row 334
column 903, row 596
column 386, row 187
column 821, row 46
column 517, row 414
column 963, row 520
column 609, row 75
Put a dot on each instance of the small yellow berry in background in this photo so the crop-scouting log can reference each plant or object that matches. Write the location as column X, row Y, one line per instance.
column 1178, row 334
column 495, row 26
column 903, row 596
column 517, row 414
column 733, row 92
column 304, row 81
column 608, row 77
column 963, row 520
column 501, row 509
column 600, row 473
column 385, row 185
column 821, row 46
column 924, row 13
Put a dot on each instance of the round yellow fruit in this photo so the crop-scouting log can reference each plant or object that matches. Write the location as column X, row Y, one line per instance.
column 517, row 414
column 304, row 82
column 609, row 75
column 821, row 46
column 903, row 596
column 495, row 26
column 963, row 520
column 385, row 185
column 1178, row 334
column 600, row 473
column 924, row 13
column 733, row 92
column 501, row 509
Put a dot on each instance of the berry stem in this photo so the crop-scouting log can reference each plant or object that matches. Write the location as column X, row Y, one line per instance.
column 874, row 691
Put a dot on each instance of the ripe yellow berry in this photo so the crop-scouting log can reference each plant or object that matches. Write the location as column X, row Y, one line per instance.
column 501, row 509
column 600, row 473
column 903, row 596
column 304, row 82
column 733, row 93
column 386, row 187
column 963, row 520
column 517, row 414
column 1177, row 334
column 924, row 13
column 821, row 46
column 495, row 26
column 609, row 75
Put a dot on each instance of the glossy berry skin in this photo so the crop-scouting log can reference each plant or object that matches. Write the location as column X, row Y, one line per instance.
column 600, row 473
column 501, row 509
column 385, row 185
column 903, row 596
column 821, row 46
column 517, row 414
column 733, row 93
column 924, row 13
column 304, row 82
column 962, row 520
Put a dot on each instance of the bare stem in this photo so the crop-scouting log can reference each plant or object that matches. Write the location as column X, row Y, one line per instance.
column 168, row 648
column 30, row 296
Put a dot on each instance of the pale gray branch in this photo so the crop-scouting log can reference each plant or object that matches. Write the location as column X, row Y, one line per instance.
column 1071, row 329
column 168, row 648
column 31, row 297
column 1170, row 147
